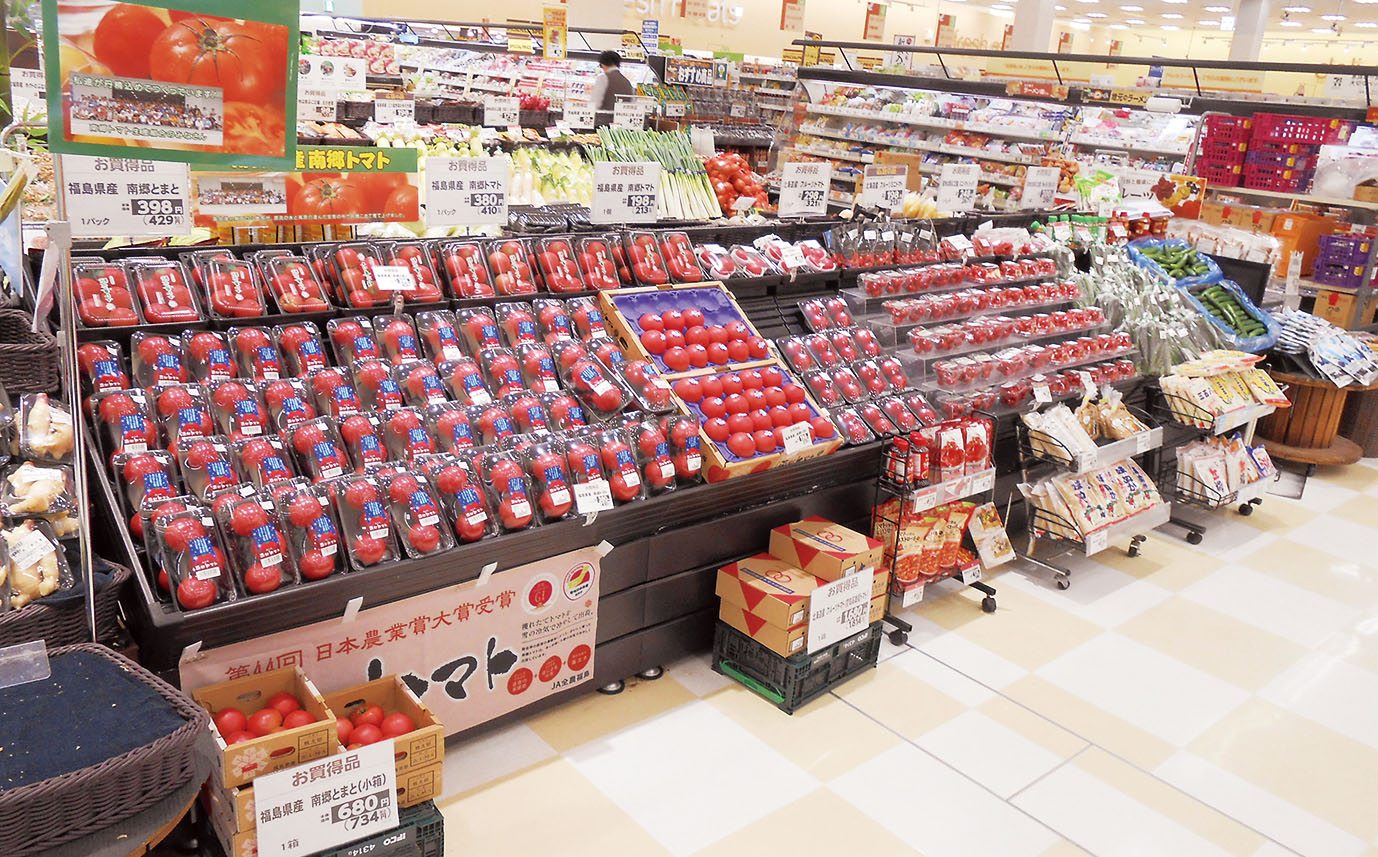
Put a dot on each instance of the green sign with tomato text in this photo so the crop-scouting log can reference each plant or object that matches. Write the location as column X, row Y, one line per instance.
column 205, row 81
column 329, row 185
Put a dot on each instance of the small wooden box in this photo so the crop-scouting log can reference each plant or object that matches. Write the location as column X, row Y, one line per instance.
column 423, row 746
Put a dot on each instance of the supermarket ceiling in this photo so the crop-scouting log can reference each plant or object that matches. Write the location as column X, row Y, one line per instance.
column 1302, row 18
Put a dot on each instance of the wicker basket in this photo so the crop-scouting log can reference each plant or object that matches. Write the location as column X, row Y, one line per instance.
column 63, row 623
column 45, row 814
column 28, row 360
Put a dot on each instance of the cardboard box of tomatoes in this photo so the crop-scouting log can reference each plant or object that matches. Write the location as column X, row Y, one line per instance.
column 391, row 707
column 267, row 722
column 683, row 329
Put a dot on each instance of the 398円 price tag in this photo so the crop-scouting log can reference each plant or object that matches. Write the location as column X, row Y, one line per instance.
column 625, row 192
column 804, row 188
column 957, row 187
column 466, row 191
column 122, row 196
column 328, row 802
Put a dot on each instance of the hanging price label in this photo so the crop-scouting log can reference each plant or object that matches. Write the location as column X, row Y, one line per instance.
column 625, row 193
column 394, row 278
column 1041, row 393
column 883, row 186
column 1088, row 384
column 1040, row 187
column 629, row 113
column 316, row 105
column 957, row 187
column 804, row 189
column 393, row 111
column 119, row 196
column 737, row 110
column 579, row 115
column 595, row 496
column 466, row 191
column 797, row 437
column 501, row 112
column 1143, row 442
column 970, row 575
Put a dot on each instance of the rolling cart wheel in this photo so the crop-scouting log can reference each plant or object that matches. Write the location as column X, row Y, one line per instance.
column 1133, row 550
column 612, row 689
column 898, row 637
column 651, row 674
column 1063, row 582
column 988, row 604
column 1193, row 538
column 1246, row 509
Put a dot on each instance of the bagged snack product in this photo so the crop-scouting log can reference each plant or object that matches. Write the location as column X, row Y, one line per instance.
column 1088, row 417
column 1264, row 389
column 1116, row 421
column 1089, row 506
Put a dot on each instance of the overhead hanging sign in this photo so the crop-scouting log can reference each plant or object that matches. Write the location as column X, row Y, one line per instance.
column 804, row 188
column 118, row 196
column 554, row 33
column 947, row 31
column 141, row 80
column 905, row 59
column 684, row 71
column 650, row 36
column 875, row 22
column 792, row 15
column 470, row 652
column 625, row 192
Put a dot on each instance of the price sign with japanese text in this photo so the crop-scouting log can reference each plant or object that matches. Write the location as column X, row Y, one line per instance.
column 957, row 187
column 839, row 609
column 391, row 111
column 804, row 189
column 579, row 115
column 1040, row 186
column 883, row 185
column 328, row 802
column 629, row 113
column 501, row 112
column 120, row 196
column 466, row 191
column 625, row 192
column 316, row 105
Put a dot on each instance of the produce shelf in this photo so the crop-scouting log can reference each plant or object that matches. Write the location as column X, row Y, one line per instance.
column 935, row 122
column 931, row 386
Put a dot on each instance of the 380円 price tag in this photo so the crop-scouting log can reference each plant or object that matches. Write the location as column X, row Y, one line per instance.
column 328, row 802
column 625, row 192
column 121, row 196
column 466, row 191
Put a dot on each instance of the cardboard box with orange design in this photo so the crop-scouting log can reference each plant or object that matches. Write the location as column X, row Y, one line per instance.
column 423, row 746
column 769, row 588
column 826, row 550
column 782, row 641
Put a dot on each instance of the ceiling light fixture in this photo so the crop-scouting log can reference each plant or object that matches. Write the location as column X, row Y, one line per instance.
column 1126, row 26
column 1366, row 25
column 1207, row 23
column 1217, row 9
column 1172, row 16
column 1096, row 15
column 1290, row 23
column 1131, row 8
column 1332, row 17
column 1296, row 9
column 1326, row 30
column 1135, row 21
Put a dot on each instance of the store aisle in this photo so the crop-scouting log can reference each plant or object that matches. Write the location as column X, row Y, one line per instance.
column 1199, row 701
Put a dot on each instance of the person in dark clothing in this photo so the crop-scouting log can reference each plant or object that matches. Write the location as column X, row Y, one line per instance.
column 611, row 84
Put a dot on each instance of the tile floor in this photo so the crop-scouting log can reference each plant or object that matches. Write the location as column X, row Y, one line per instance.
column 1211, row 700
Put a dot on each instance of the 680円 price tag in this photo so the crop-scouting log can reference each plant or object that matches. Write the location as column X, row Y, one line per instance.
column 327, row 802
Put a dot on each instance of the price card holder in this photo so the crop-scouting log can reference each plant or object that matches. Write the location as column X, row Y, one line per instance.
column 1097, row 542
column 1040, row 187
column 629, row 113
column 579, row 115
column 1041, row 393
column 797, row 437
column 625, row 192
column 134, row 197
column 957, row 187
column 738, row 109
column 501, row 112
column 804, row 189
column 983, row 482
column 393, row 278
column 1291, row 295
column 322, row 804
column 675, row 109
column 883, row 185
column 970, row 575
column 466, row 191
column 316, row 105
column 1143, row 442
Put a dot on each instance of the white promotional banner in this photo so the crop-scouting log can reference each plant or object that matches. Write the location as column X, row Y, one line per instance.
column 470, row 652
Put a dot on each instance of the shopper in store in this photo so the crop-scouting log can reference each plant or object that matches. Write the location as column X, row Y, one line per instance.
column 612, row 84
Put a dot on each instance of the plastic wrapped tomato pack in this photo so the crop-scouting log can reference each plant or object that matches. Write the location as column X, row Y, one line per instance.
column 449, row 425
column 397, row 335
column 439, row 335
column 126, row 421
column 208, row 467
column 464, row 381
column 465, row 267
column 334, row 392
column 104, row 294
column 461, row 495
column 416, row 514
column 289, row 402
column 510, row 261
column 102, row 367
column 313, row 535
column 239, row 409
column 352, row 338
column 157, row 360
column 517, row 321
column 508, row 486
column 164, row 290
column 599, row 262
column 320, row 452
column 678, row 253
column 256, row 357
column 559, row 265
column 191, row 553
column 184, row 413
column 405, row 435
column 479, row 328
column 420, row 383
column 412, row 256
column 301, row 346
column 265, row 461
column 378, row 387
column 369, row 536
column 292, row 282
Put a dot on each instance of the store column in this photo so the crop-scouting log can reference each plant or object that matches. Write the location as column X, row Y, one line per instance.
column 1250, row 22
column 1033, row 26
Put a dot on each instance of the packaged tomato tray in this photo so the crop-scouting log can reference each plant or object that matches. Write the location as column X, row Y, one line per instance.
column 126, row 422
column 257, row 544
column 367, row 527
column 678, row 253
column 255, row 355
column 334, row 391
column 552, row 314
column 184, row 413
column 591, row 382
column 150, row 475
column 492, row 422
column 466, row 268
column 265, row 460
column 508, row 486
column 687, row 327
column 164, row 290
column 191, row 553
column 518, row 323
column 565, row 411
column 449, row 425
column 105, row 297
column 876, row 419
column 405, row 435
column 464, row 380
column 313, row 534
column 416, row 514
column 420, row 382
column 745, row 413
column 292, row 281
column 898, row 413
column 352, row 338
column 538, row 368
column 440, row 335
column 320, row 452
column 157, row 360
column 208, row 467
column 363, row 437
column 583, row 456
column 686, row 454
column 641, row 256
column 300, row 344
column 461, row 494
column 587, row 318
column 102, row 367
column 397, row 334
column 232, row 286
column 412, row 256
column 619, row 463
column 479, row 328
column 510, row 261
column 209, row 357
column 653, row 456
column 239, row 409
column 349, row 268
column 527, row 412
column 501, row 370
column 378, row 388
column 648, row 386
column 606, row 350
column 559, row 265
column 599, row 262
column 545, row 461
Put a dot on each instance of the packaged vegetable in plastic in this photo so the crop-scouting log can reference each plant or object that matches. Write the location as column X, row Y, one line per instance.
column 416, row 514
column 528, row 414
column 45, row 429
column 150, row 475
column 440, row 335
column 293, row 283
column 464, row 380
column 653, row 456
column 239, row 410
column 126, row 421
column 334, row 392
column 157, row 359
column 363, row 438
column 37, row 563
column 352, row 339
column 565, row 412
column 644, row 259
column 257, row 544
column 208, row 467
column 194, row 558
column 457, row 487
column 492, row 423
column 590, row 381
column 678, row 253
column 164, row 291
column 320, row 452
column 265, row 460
column 466, row 269
column 313, row 535
column 412, row 257
column 397, row 335
column 553, row 319
column 479, row 328
column 509, row 488
column 420, row 382
column 510, row 262
column 289, row 403
column 651, row 390
column 598, row 260
column 517, row 320
column 102, row 366
column 185, row 413
column 368, row 532
column 37, row 489
column 558, row 264
column 209, row 357
column 549, row 469
column 685, row 451
column 255, row 354
column 378, row 387
column 233, row 289
column 301, row 345
column 586, row 317
column 103, row 292
column 351, row 266
column 406, row 436
column 449, row 425
column 619, row 463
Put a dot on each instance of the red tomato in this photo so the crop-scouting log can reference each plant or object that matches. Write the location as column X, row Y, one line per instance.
column 240, row 737
column 366, row 734
column 297, row 718
column 123, row 39
column 397, row 724
column 193, row 594
column 343, row 729
column 219, row 53
column 377, row 187
column 230, row 720
column 328, row 196
column 283, row 703
column 402, row 202
column 255, row 129
column 265, row 721
column 368, row 715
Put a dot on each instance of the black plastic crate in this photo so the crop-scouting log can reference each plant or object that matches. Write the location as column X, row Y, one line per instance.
column 793, row 682
column 420, row 832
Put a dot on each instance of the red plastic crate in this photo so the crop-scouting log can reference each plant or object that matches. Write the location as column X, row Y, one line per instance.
column 1227, row 129
column 1287, row 128
column 1223, row 152
column 1276, row 178
column 1218, row 173
column 1285, row 148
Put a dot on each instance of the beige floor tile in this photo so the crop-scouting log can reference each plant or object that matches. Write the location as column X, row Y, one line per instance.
column 548, row 809
column 1176, row 805
column 899, row 701
column 1064, row 849
column 1162, row 561
column 1321, row 572
column 1036, row 728
column 827, row 737
column 1298, row 760
column 1353, row 478
column 799, row 830
column 1361, row 510
column 1025, row 630
column 1207, row 639
column 595, row 715
column 1276, row 518
column 1089, row 721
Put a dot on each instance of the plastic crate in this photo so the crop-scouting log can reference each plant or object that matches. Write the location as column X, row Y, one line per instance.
column 420, row 832
column 1276, row 178
column 1287, row 128
column 1284, row 148
column 1217, row 173
column 1229, row 129
column 793, row 682
column 1280, row 160
column 1223, row 151
column 1339, row 276
column 1342, row 249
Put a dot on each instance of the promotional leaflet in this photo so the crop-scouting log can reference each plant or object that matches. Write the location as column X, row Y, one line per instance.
column 216, row 84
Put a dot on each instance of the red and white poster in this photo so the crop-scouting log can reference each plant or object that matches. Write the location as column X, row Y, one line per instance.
column 875, row 21
column 1005, row 39
column 1064, row 42
column 947, row 32
column 471, row 653
column 791, row 15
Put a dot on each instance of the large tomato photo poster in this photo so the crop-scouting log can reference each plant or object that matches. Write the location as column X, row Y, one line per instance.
column 210, row 81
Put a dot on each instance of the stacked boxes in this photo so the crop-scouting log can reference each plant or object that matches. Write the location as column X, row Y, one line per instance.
column 1283, row 150
column 1342, row 260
